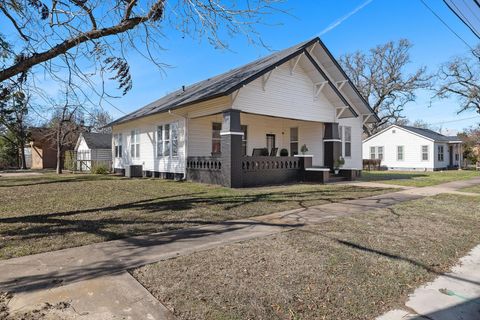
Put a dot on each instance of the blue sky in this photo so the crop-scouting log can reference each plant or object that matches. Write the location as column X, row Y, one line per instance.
column 377, row 22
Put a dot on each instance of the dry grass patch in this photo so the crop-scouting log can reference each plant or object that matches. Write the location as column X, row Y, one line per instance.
column 351, row 268
column 475, row 189
column 49, row 212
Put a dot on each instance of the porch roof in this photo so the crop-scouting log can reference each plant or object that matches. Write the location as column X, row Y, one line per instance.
column 227, row 83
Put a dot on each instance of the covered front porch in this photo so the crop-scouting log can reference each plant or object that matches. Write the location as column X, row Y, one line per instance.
column 240, row 149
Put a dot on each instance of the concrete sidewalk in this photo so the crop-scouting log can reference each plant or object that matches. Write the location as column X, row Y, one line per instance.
column 452, row 296
column 93, row 278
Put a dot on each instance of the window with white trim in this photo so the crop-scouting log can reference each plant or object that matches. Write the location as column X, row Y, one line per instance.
column 400, row 155
column 348, row 142
column 160, row 141
column 174, row 138
column 441, row 153
column 135, row 143
column 425, row 153
column 216, row 138
column 372, row 153
column 380, row 153
column 244, row 139
column 167, row 140
column 293, row 141
column 117, row 142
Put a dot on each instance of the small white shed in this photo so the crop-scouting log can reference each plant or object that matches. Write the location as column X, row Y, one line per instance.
column 93, row 149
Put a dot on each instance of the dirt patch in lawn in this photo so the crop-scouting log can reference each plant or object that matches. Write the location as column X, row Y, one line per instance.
column 59, row 311
column 354, row 267
column 49, row 212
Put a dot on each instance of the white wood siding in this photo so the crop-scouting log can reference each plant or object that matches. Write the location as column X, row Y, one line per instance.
column 148, row 155
column 355, row 161
column 310, row 133
column 412, row 149
column 286, row 95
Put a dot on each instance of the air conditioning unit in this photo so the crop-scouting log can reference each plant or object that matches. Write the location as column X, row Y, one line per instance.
column 134, row 171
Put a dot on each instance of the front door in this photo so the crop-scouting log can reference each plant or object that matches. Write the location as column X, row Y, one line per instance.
column 270, row 142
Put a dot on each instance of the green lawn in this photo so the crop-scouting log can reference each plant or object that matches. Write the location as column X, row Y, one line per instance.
column 49, row 212
column 354, row 267
column 417, row 179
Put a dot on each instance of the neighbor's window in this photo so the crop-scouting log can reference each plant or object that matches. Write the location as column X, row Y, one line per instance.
column 159, row 141
column 441, row 154
column 380, row 153
column 293, row 141
column 216, row 138
column 135, row 143
column 348, row 141
column 117, row 140
column 425, row 153
column 244, row 140
column 372, row 153
column 400, row 153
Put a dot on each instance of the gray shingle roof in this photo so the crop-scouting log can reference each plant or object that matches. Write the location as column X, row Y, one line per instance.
column 98, row 140
column 431, row 134
column 220, row 85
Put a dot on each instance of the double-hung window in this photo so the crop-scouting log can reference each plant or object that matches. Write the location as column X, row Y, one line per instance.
column 135, row 143
column 117, row 142
column 348, row 141
column 293, row 141
column 400, row 155
column 425, row 153
column 216, row 138
column 244, row 140
column 376, row 153
column 380, row 153
column 441, row 153
column 174, row 138
column 167, row 140
column 160, row 141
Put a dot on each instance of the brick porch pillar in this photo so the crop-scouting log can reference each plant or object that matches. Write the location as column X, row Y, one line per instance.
column 231, row 147
column 332, row 144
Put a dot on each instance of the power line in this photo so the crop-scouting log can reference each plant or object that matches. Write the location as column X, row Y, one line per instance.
column 445, row 24
column 462, row 17
column 458, row 120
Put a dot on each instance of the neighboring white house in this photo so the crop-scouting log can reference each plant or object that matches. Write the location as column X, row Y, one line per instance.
column 410, row 148
column 293, row 97
column 93, row 149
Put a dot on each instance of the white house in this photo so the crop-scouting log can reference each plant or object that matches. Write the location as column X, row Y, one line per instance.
column 230, row 129
column 92, row 149
column 410, row 148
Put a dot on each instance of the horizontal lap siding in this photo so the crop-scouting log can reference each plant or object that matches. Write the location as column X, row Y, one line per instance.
column 411, row 143
column 148, row 131
column 101, row 154
column 285, row 95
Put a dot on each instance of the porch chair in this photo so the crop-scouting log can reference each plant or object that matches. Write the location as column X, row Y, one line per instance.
column 259, row 152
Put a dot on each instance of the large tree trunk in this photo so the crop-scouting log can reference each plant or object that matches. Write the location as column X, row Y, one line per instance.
column 23, row 163
column 59, row 149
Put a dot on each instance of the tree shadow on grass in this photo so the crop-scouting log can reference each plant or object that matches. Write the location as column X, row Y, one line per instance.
column 401, row 258
column 392, row 176
column 157, row 214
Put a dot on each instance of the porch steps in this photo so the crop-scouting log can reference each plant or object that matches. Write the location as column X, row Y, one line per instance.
column 333, row 179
